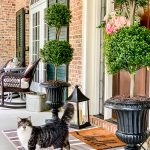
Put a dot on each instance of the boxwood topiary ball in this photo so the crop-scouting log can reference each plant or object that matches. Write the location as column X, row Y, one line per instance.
column 128, row 49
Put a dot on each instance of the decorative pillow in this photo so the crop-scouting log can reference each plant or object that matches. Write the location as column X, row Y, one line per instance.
column 10, row 65
column 28, row 69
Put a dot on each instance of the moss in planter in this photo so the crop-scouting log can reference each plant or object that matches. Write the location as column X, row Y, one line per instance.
column 125, row 103
column 55, row 83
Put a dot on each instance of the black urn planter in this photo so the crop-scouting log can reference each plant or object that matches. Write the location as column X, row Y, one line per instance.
column 55, row 95
column 132, row 119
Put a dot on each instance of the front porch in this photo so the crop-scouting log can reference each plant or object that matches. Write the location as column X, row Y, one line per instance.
column 38, row 118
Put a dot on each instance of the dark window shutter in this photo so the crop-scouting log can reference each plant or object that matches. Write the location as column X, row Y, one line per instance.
column 63, row 1
column 51, row 34
column 62, row 72
column 50, row 2
column 50, row 72
column 20, row 35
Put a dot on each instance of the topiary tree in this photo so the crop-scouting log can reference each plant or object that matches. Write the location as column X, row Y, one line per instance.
column 127, row 48
column 55, row 51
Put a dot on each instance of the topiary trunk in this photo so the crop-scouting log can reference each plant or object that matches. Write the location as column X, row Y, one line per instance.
column 55, row 72
column 132, row 84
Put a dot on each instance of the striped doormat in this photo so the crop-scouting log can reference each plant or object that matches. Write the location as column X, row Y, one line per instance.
column 75, row 143
column 13, row 138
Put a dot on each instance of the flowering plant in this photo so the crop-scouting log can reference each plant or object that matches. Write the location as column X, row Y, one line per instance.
column 115, row 23
column 127, row 43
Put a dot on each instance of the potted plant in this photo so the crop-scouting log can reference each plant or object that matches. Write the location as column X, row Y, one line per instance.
column 127, row 47
column 56, row 52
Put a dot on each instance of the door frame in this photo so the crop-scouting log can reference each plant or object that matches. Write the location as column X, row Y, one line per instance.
column 37, row 7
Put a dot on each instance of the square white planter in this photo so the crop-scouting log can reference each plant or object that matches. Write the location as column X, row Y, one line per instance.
column 36, row 102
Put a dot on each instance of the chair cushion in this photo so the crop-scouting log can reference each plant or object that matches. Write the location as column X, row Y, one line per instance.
column 24, row 83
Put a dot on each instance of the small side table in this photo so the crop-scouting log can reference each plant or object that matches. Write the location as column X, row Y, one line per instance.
column 17, row 69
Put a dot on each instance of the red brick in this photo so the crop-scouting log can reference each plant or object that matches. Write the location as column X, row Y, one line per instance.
column 8, row 10
column 75, row 39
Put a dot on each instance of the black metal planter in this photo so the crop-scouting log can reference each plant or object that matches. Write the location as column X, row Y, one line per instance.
column 132, row 120
column 55, row 95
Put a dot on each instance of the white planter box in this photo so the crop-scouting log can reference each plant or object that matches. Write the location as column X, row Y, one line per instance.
column 36, row 102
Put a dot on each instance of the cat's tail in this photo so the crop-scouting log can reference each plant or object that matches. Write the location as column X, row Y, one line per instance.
column 68, row 113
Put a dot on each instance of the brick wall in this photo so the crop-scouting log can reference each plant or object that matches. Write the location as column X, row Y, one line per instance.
column 7, row 30
column 8, row 10
column 103, row 124
column 75, row 39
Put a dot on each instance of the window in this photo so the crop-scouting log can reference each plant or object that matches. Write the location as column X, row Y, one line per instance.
column 36, row 41
column 33, row 1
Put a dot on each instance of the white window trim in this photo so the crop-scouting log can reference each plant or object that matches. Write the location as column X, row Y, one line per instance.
column 40, row 5
column 108, row 78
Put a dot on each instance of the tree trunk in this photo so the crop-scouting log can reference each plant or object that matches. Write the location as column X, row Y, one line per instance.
column 55, row 72
column 132, row 84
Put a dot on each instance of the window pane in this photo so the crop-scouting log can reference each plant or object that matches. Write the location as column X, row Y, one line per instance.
column 35, row 42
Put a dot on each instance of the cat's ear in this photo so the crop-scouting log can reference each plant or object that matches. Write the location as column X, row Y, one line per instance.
column 18, row 119
column 29, row 118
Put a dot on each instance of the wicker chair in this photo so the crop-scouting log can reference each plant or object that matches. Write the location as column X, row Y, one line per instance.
column 18, row 82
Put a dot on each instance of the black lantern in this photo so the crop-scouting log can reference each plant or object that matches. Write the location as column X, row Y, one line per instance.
column 78, row 97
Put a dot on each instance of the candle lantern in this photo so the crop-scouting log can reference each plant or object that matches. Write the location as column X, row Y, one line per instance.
column 78, row 99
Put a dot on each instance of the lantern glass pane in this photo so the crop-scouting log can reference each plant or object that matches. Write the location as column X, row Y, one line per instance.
column 75, row 117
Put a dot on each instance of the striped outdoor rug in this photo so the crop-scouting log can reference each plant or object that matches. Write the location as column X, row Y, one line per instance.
column 76, row 144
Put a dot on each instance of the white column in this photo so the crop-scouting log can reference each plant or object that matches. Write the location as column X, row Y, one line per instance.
column 108, row 94
column 91, row 53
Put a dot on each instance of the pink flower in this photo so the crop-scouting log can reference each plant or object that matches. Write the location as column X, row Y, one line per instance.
column 109, row 28
column 116, row 23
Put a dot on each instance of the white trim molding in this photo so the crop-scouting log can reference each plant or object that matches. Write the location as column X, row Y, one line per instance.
column 38, row 7
column 108, row 78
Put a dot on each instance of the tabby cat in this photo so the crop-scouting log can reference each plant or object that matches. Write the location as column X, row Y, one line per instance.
column 53, row 134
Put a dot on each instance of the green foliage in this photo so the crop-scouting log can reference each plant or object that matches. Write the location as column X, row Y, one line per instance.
column 58, row 15
column 102, row 25
column 138, row 2
column 57, row 52
column 128, row 49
